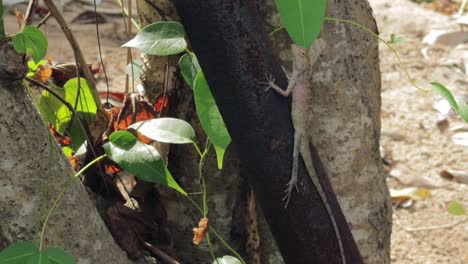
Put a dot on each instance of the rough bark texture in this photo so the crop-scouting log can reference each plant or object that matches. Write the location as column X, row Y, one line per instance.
column 31, row 163
column 346, row 121
column 346, row 126
column 346, row 132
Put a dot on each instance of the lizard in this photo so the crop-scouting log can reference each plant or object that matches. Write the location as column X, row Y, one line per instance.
column 300, row 88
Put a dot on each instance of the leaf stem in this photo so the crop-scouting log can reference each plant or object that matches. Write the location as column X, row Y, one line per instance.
column 227, row 245
column 59, row 197
column 395, row 51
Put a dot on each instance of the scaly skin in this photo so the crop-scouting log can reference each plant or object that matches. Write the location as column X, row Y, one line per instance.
column 301, row 90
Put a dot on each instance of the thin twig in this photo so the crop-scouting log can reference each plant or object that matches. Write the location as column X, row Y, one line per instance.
column 29, row 13
column 159, row 253
column 44, row 20
column 75, row 47
column 100, row 51
column 425, row 228
column 54, row 94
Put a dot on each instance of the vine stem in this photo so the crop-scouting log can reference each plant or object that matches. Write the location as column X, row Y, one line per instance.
column 204, row 210
column 59, row 197
column 395, row 51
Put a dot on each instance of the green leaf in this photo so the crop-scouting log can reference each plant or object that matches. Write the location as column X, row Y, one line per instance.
column 395, row 39
column 68, row 151
column 19, row 252
column 303, row 19
column 189, row 68
column 123, row 139
column 58, row 256
column 32, row 41
column 33, row 65
column 456, row 208
column 168, row 130
column 137, row 67
column 458, row 105
column 462, row 108
column 227, row 260
column 139, row 159
column 86, row 107
column 54, row 111
column 160, row 38
column 210, row 118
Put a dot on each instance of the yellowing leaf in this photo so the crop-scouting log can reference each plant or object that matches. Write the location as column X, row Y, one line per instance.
column 410, row 193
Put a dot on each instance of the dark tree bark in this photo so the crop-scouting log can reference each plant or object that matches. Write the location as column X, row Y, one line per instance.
column 346, row 112
column 235, row 54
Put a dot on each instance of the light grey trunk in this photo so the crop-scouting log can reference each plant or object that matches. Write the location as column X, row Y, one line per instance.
column 346, row 121
column 346, row 131
column 31, row 163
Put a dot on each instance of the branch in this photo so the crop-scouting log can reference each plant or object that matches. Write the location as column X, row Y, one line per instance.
column 235, row 54
column 74, row 45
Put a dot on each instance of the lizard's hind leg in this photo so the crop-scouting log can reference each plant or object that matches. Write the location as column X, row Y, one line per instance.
column 295, row 168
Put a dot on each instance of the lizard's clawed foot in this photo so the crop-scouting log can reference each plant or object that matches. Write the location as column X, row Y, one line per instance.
column 291, row 184
column 269, row 83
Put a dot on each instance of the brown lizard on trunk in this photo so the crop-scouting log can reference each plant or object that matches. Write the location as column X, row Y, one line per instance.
column 300, row 88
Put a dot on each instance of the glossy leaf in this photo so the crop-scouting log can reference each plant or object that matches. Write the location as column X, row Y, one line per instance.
column 303, row 19
column 210, row 117
column 168, row 130
column 189, row 68
column 20, row 252
column 139, row 159
column 58, row 256
column 227, row 260
column 32, row 41
column 456, row 208
column 160, row 38
column 458, row 105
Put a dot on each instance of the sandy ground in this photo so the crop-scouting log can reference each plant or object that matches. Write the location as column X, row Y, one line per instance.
column 418, row 149
column 412, row 141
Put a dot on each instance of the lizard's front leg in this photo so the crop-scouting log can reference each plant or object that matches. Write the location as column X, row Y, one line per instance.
column 271, row 84
column 295, row 168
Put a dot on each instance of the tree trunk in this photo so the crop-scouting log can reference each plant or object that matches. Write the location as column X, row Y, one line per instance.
column 346, row 120
column 346, row 126
column 346, row 129
column 32, row 164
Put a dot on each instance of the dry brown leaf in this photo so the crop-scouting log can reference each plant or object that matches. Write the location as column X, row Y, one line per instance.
column 200, row 231
column 455, row 175
column 43, row 73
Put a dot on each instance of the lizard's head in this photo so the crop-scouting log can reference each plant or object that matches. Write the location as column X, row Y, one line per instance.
column 300, row 55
